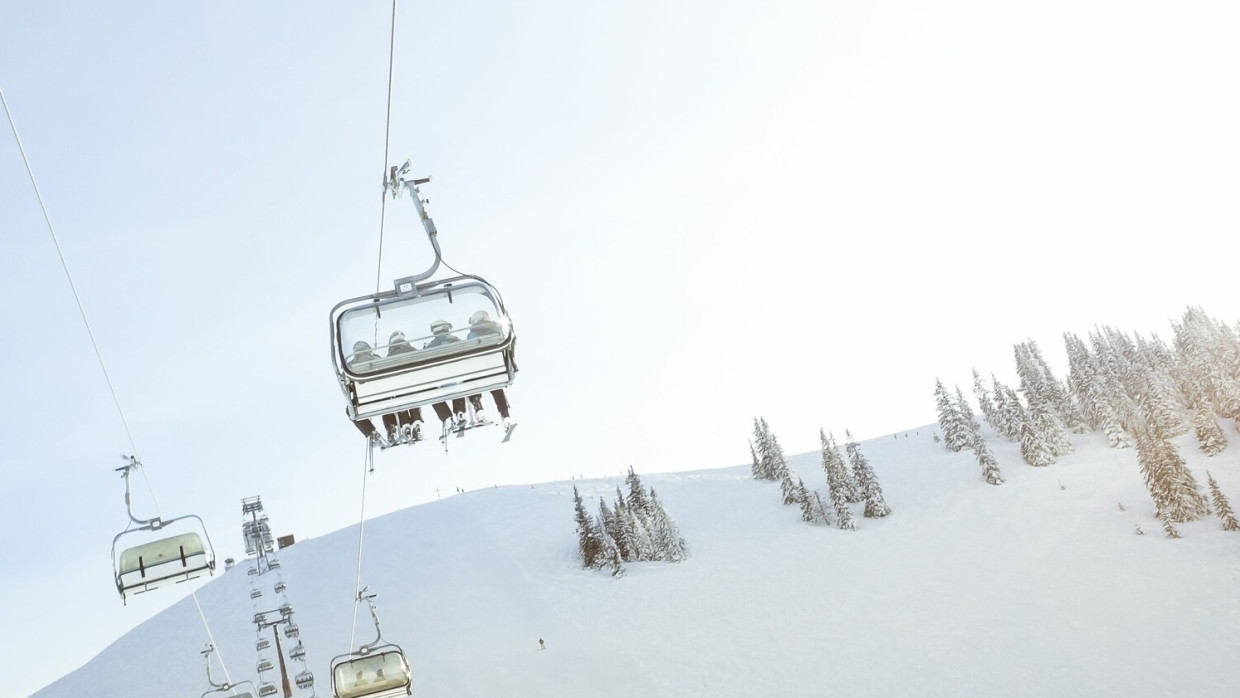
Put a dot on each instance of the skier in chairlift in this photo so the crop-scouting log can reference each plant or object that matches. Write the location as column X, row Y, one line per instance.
column 453, row 417
column 481, row 325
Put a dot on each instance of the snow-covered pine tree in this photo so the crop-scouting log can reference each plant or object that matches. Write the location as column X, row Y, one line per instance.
column 757, row 464
column 763, row 465
column 837, row 481
column 637, row 501
column 986, row 459
column 808, row 514
column 973, row 429
column 985, row 403
column 1042, row 396
column 1172, row 486
column 1033, row 447
column 589, row 545
column 1209, row 434
column 955, row 434
column 867, row 481
column 609, row 555
column 788, row 488
column 669, row 545
column 615, row 523
column 771, row 463
column 1221, row 506
column 1113, row 428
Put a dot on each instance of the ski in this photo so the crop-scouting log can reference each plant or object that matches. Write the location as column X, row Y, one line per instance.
column 508, row 432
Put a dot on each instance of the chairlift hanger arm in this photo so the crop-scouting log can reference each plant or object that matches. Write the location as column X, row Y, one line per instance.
column 399, row 182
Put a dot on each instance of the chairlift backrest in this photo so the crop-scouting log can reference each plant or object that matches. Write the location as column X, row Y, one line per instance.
column 378, row 674
column 267, row 689
column 304, row 680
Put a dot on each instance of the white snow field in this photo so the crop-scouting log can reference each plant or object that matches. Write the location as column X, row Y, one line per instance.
column 1039, row 587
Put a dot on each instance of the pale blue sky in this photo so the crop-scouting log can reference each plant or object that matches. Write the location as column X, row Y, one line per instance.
column 697, row 212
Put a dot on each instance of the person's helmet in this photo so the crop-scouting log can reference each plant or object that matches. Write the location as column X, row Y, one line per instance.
column 480, row 316
column 440, row 326
column 397, row 336
column 359, row 347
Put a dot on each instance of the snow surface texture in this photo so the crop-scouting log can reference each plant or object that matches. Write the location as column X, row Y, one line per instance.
column 1039, row 587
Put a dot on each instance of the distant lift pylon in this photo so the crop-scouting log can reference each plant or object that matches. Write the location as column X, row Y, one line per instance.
column 425, row 342
column 150, row 558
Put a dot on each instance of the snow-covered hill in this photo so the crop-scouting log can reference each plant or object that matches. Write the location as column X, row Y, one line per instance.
column 1038, row 587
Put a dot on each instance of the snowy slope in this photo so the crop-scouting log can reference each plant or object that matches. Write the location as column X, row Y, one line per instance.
column 1038, row 587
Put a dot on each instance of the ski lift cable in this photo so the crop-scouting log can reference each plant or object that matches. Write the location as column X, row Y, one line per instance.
column 107, row 377
column 86, row 322
column 211, row 639
column 387, row 142
column 60, row 253
column 369, row 463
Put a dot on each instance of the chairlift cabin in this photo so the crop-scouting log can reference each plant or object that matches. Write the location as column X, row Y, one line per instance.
column 387, row 358
column 380, row 673
column 153, row 553
column 376, row 670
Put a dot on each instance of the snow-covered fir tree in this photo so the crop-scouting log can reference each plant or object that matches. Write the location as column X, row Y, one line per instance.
column 867, row 481
column 808, row 514
column 638, row 501
column 990, row 466
column 1209, row 434
column 972, row 428
column 770, row 463
column 1033, row 447
column 837, row 482
column 668, row 543
column 589, row 545
column 984, row 402
column 1222, row 507
column 955, row 431
column 616, row 526
column 610, row 557
column 1171, row 485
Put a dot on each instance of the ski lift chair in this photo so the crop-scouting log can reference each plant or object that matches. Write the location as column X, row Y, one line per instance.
column 379, row 382
column 376, row 670
column 304, row 679
column 267, row 689
column 381, row 672
column 225, row 689
column 162, row 560
column 298, row 652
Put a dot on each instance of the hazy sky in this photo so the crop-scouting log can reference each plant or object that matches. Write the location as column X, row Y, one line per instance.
column 698, row 212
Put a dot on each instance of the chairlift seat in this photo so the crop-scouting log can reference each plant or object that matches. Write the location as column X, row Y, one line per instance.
column 162, row 562
column 267, row 689
column 377, row 674
column 381, row 385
